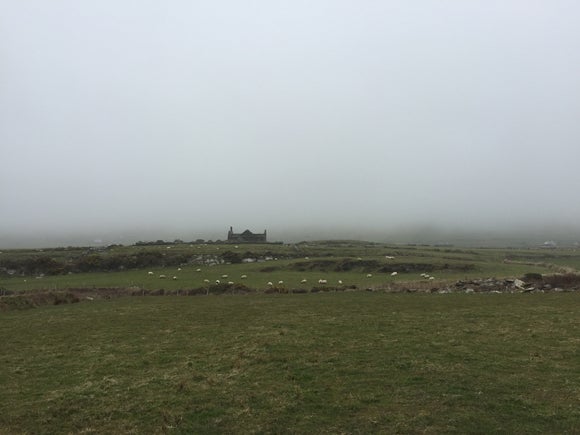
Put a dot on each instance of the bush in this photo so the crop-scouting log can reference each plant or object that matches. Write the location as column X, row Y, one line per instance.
column 532, row 276
column 563, row 281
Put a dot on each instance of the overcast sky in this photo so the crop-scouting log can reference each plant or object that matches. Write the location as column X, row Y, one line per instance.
column 181, row 118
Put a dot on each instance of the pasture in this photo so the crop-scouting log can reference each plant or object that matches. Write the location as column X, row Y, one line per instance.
column 318, row 362
column 353, row 362
column 196, row 266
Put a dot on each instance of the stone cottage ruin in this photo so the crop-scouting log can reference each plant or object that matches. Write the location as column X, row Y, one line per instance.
column 246, row 237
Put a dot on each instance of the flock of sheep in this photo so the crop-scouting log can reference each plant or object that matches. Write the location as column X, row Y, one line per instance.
column 280, row 283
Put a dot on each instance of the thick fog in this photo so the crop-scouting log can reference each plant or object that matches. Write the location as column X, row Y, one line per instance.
column 140, row 120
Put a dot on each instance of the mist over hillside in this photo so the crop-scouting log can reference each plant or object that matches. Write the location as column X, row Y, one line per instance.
column 451, row 122
column 430, row 235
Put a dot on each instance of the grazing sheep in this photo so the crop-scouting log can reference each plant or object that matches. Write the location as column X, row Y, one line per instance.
column 174, row 278
column 149, row 273
column 217, row 281
column 230, row 283
column 179, row 269
column 340, row 281
column 394, row 274
column 270, row 283
column 322, row 281
column 431, row 277
column 369, row 275
column 244, row 276
column 162, row 277
column 307, row 258
column 389, row 257
column 303, row 281
column 224, row 276
column 198, row 270
column 206, row 281
column 280, row 282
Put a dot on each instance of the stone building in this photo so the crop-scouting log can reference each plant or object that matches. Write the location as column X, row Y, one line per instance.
column 246, row 237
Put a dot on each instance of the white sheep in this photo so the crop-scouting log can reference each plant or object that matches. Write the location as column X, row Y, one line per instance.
column 340, row 281
column 217, row 281
column 270, row 284
column 303, row 281
column 198, row 270
column 389, row 257
column 244, row 276
column 224, row 276
column 280, row 282
column 162, row 277
column 174, row 278
column 206, row 281
column 179, row 269
column 431, row 277
column 322, row 281
column 369, row 275
column 230, row 283
column 149, row 273
column 394, row 274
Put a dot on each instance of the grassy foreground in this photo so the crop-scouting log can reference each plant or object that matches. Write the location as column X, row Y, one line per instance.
column 317, row 363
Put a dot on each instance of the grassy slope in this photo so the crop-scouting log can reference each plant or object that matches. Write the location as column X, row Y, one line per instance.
column 330, row 363
column 486, row 262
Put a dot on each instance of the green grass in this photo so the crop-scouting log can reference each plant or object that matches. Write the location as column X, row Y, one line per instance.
column 485, row 263
column 315, row 363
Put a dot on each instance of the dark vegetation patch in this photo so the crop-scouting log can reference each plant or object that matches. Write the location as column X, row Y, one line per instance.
column 344, row 265
column 90, row 262
column 566, row 280
column 348, row 264
column 426, row 267
column 533, row 256
column 25, row 301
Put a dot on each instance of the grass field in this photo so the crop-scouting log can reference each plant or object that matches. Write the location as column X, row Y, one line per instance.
column 290, row 264
column 353, row 362
column 336, row 362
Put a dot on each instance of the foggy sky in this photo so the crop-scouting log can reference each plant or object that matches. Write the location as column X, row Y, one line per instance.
column 151, row 119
